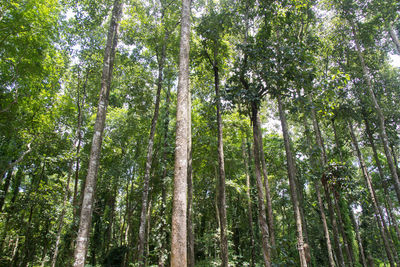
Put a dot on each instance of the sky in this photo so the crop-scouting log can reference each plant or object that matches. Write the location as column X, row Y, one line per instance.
column 395, row 60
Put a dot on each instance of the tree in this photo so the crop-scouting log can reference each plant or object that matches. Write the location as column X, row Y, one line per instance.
column 179, row 230
column 90, row 184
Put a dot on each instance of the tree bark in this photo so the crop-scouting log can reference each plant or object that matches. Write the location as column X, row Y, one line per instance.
column 291, row 167
column 323, row 160
column 378, row 213
column 163, row 252
column 382, row 176
column 149, row 157
column 179, row 208
column 394, row 37
column 221, row 172
column 270, row 214
column 261, row 204
column 91, row 179
column 191, row 261
column 249, row 204
column 319, row 198
column 359, row 240
column 6, row 186
column 381, row 118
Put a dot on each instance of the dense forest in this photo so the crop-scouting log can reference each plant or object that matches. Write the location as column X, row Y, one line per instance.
column 212, row 133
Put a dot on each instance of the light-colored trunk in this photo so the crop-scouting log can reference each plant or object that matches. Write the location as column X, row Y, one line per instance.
column 323, row 160
column 191, row 261
column 262, row 218
column 382, row 176
column 268, row 198
column 291, row 167
column 149, row 157
column 163, row 253
column 319, row 198
column 378, row 213
column 91, row 179
column 394, row 37
column 359, row 240
column 380, row 117
column 179, row 206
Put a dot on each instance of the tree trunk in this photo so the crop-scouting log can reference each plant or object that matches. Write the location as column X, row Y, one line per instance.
column 324, row 224
column 191, row 261
column 270, row 214
column 6, row 186
column 378, row 213
column 323, row 160
column 221, row 172
column 91, row 179
column 393, row 35
column 319, row 198
column 149, row 158
column 163, row 252
column 291, row 167
column 359, row 240
column 179, row 208
column 249, row 205
column 380, row 117
column 382, row 176
column 261, row 204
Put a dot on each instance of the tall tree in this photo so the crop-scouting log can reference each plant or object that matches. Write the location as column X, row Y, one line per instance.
column 91, row 179
column 179, row 216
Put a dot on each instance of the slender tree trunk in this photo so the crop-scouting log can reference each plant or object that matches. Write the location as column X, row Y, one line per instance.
column 179, row 206
column 320, row 203
column 262, row 218
column 91, row 179
column 382, row 176
column 163, row 252
column 323, row 160
column 221, row 171
column 394, row 37
column 291, row 166
column 149, row 158
column 268, row 198
column 61, row 220
column 380, row 117
column 191, row 261
column 378, row 213
column 16, row 162
column 324, row 224
column 249, row 205
column 359, row 240
column 6, row 186
column 341, row 224
column 80, row 105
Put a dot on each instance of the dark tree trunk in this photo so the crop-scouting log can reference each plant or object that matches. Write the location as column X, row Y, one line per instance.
column 179, row 208
column 221, row 172
column 262, row 218
column 249, row 204
column 91, row 179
